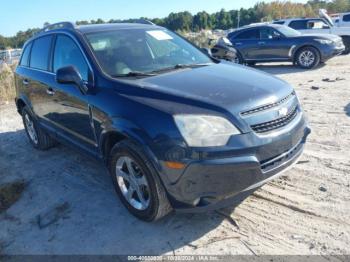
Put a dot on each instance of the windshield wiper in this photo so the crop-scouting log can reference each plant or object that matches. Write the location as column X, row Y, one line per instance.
column 180, row 66
column 134, row 73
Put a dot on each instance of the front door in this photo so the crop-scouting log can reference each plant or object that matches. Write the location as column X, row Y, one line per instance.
column 273, row 45
column 71, row 112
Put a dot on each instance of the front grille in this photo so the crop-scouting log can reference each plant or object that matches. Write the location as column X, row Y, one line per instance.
column 277, row 161
column 277, row 123
column 266, row 107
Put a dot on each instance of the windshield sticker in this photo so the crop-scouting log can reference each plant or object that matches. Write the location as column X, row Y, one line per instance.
column 159, row 35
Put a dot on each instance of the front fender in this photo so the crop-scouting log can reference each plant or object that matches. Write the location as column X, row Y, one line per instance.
column 127, row 129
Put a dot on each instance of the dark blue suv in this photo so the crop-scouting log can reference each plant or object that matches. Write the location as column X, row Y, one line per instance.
column 176, row 128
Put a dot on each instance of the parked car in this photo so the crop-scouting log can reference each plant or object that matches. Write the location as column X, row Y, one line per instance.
column 341, row 20
column 271, row 43
column 10, row 56
column 323, row 25
column 223, row 49
column 176, row 128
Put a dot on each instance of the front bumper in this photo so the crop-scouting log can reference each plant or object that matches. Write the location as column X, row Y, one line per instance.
column 331, row 51
column 214, row 182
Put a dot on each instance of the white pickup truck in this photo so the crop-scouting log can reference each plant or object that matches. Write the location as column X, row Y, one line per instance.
column 322, row 25
column 342, row 19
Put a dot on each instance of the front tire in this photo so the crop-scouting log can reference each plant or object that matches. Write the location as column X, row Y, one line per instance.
column 308, row 58
column 137, row 183
column 346, row 41
column 37, row 136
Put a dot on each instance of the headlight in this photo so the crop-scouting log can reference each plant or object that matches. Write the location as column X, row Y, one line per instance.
column 204, row 130
column 324, row 41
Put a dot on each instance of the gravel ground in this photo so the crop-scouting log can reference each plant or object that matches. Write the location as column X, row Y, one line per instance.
column 68, row 205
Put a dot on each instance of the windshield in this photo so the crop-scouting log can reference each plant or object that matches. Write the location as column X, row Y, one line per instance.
column 288, row 32
column 126, row 51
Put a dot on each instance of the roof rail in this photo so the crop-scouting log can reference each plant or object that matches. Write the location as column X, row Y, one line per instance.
column 68, row 25
column 144, row 21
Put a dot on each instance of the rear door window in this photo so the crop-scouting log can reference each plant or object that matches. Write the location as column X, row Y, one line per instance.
column 39, row 58
column 25, row 57
column 249, row 35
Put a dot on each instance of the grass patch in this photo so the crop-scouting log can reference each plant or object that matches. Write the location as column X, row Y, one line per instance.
column 7, row 82
column 10, row 193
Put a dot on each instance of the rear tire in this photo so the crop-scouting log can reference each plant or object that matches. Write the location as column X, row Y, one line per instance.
column 148, row 200
column 239, row 59
column 308, row 57
column 37, row 136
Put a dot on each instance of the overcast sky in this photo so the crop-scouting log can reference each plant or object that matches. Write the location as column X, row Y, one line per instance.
column 23, row 14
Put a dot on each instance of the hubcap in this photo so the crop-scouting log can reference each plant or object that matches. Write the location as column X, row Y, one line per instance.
column 307, row 58
column 132, row 183
column 30, row 128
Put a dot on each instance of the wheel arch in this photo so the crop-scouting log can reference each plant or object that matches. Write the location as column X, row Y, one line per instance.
column 21, row 102
column 115, row 134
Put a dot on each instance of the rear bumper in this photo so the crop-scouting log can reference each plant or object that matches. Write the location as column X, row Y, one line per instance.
column 210, row 184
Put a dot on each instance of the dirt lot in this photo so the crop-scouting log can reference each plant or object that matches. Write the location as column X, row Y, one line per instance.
column 68, row 205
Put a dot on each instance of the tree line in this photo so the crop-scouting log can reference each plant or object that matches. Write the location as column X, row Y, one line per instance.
column 185, row 21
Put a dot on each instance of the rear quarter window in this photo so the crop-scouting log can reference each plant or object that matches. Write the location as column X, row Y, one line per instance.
column 249, row 34
column 25, row 57
column 39, row 58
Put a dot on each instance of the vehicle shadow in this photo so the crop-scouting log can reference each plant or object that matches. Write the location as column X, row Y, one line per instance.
column 69, row 207
column 283, row 69
column 347, row 109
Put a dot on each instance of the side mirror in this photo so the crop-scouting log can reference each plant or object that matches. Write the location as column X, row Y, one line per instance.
column 70, row 75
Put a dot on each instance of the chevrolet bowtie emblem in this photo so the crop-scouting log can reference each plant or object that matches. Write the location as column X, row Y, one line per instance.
column 282, row 112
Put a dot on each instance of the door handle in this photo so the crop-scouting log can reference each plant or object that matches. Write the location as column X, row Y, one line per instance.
column 25, row 82
column 50, row 91
column 261, row 43
column 238, row 43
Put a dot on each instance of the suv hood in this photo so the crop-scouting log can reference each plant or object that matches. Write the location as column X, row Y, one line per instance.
column 323, row 14
column 232, row 87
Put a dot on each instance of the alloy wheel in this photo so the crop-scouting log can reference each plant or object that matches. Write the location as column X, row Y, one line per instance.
column 132, row 183
column 307, row 58
column 31, row 129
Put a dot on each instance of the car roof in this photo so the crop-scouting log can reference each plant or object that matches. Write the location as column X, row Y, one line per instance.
column 91, row 28
column 297, row 18
column 253, row 26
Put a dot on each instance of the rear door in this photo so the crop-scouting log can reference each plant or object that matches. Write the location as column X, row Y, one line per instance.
column 38, row 82
column 273, row 45
column 23, row 74
column 247, row 43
